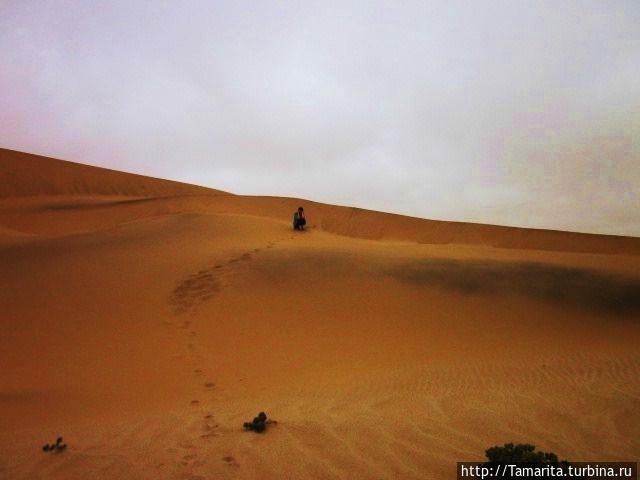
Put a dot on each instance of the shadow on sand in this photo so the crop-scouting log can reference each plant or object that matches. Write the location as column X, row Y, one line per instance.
column 568, row 285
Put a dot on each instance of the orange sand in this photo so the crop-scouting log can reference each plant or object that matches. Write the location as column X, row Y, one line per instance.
column 145, row 320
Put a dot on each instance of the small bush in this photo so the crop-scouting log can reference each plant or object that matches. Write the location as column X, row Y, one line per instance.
column 521, row 453
column 259, row 423
column 55, row 447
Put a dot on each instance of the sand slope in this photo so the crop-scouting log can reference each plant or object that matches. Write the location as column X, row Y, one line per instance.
column 145, row 320
column 62, row 186
column 23, row 174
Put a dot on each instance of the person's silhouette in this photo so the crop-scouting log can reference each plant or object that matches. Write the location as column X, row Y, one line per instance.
column 299, row 220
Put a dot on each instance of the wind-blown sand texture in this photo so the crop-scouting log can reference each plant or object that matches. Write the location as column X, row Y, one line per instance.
column 146, row 320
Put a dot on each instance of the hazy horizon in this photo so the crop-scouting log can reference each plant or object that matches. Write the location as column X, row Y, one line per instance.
column 498, row 113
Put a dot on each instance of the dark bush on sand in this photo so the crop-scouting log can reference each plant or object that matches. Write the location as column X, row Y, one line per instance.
column 259, row 423
column 521, row 453
column 55, row 447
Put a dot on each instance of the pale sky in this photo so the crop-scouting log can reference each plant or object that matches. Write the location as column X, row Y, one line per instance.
column 509, row 112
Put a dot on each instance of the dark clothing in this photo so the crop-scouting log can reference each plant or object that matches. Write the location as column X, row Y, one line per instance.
column 299, row 221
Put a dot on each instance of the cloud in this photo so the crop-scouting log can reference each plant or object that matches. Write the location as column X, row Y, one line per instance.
column 480, row 111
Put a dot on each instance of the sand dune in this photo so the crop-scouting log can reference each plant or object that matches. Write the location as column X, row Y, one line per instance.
column 64, row 188
column 23, row 174
column 146, row 320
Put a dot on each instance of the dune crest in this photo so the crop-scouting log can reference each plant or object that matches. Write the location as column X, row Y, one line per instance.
column 23, row 176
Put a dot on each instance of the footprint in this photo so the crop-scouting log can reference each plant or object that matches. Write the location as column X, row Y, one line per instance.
column 195, row 402
column 193, row 290
column 229, row 460
column 209, row 385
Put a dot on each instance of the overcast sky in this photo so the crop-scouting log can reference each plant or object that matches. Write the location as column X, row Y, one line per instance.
column 510, row 112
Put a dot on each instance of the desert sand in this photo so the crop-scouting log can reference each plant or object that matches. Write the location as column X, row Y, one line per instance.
column 145, row 320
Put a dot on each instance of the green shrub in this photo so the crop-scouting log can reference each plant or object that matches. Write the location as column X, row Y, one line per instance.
column 521, row 453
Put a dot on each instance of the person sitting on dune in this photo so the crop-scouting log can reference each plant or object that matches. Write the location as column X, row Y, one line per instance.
column 299, row 221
